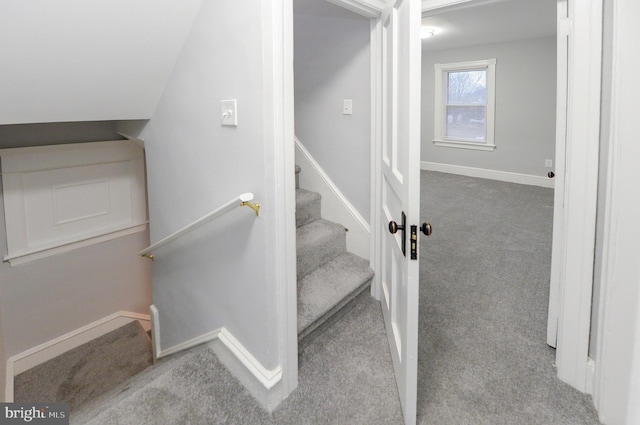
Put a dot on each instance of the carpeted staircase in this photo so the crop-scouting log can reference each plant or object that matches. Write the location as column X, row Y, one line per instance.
column 329, row 277
column 116, row 368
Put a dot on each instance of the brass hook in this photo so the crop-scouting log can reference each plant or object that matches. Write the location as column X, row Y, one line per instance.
column 255, row 207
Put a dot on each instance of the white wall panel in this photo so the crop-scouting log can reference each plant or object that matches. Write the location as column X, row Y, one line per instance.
column 53, row 199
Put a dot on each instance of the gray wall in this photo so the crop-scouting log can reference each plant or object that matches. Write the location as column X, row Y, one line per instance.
column 221, row 275
column 332, row 63
column 21, row 135
column 81, row 61
column 525, row 106
column 47, row 298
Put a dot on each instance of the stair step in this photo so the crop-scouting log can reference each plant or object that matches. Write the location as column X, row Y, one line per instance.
column 307, row 207
column 317, row 243
column 134, row 384
column 328, row 289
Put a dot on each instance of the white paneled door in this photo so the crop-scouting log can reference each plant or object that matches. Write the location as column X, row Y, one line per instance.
column 400, row 191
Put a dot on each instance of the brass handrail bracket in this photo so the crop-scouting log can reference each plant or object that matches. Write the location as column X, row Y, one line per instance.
column 149, row 256
column 255, row 207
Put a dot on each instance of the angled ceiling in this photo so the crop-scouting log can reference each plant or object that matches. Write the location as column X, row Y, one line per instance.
column 76, row 60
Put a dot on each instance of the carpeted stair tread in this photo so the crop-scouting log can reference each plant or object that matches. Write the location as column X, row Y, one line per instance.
column 317, row 243
column 134, row 384
column 307, row 206
column 84, row 373
column 329, row 288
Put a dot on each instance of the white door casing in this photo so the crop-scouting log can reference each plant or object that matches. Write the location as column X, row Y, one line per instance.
column 400, row 191
column 558, row 200
column 575, row 215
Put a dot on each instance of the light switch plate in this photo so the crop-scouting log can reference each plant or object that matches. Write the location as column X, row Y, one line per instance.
column 347, row 107
column 229, row 112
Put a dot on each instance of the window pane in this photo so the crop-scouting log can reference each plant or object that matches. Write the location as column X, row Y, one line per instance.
column 465, row 122
column 467, row 87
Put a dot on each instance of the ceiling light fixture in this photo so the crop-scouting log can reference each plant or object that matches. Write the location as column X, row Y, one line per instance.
column 426, row 32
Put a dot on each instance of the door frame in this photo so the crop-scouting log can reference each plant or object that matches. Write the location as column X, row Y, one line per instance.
column 573, row 246
column 573, row 251
column 277, row 39
column 617, row 384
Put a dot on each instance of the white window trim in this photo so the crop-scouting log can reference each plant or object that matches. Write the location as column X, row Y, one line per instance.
column 438, row 128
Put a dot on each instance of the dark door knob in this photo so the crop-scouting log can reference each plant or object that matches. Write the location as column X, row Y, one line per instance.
column 394, row 227
column 426, row 229
column 551, row 174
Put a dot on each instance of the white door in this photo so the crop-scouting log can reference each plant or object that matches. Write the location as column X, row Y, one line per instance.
column 400, row 191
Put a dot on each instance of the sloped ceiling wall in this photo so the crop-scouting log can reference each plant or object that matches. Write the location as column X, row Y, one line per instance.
column 79, row 60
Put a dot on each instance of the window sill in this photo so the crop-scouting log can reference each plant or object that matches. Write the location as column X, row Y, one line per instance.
column 464, row 145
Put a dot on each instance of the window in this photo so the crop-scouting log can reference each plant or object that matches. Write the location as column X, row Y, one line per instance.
column 465, row 105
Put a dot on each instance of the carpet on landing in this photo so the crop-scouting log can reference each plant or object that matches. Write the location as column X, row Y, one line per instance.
column 86, row 372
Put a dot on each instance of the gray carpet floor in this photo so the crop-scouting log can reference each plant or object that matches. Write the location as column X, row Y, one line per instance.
column 336, row 385
column 84, row 373
column 483, row 307
column 482, row 352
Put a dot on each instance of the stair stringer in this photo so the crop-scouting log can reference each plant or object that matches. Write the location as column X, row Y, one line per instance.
column 335, row 206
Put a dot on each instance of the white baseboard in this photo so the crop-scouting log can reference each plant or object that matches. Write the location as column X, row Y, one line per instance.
column 268, row 378
column 335, row 206
column 483, row 173
column 261, row 382
column 37, row 355
column 591, row 376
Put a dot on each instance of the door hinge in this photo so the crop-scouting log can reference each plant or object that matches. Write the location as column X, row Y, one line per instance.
column 564, row 26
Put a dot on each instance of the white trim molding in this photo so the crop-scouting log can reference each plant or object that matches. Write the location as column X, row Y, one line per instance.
column 16, row 260
column 465, row 145
column 335, row 205
column 279, row 124
column 483, row 173
column 32, row 357
column 376, row 156
column 261, row 382
column 557, row 254
column 439, row 4
column 366, row 8
column 268, row 378
column 580, row 192
column 63, row 197
column 617, row 388
column 441, row 103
